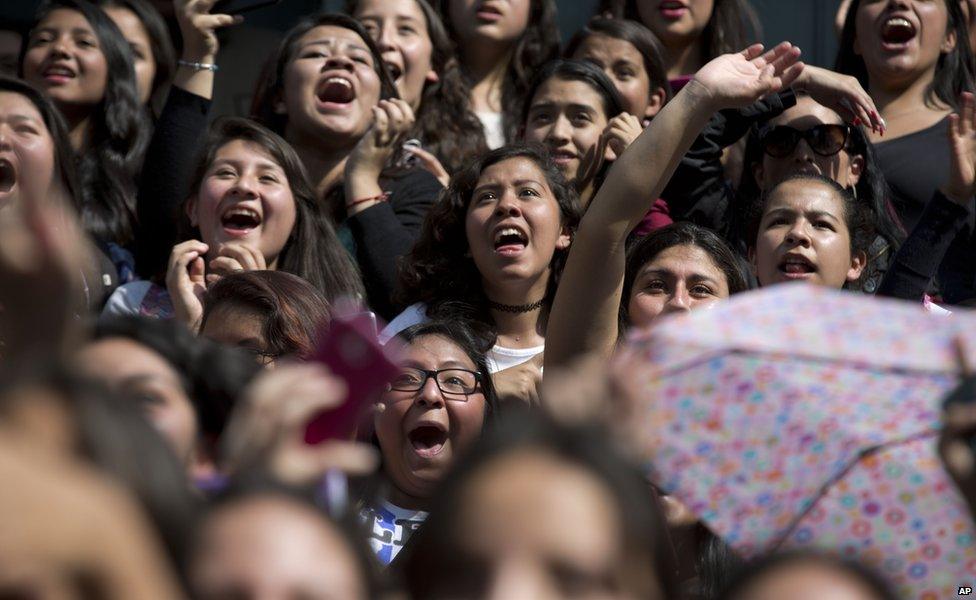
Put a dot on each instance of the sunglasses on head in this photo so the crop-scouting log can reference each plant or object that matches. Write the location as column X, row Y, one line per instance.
column 825, row 140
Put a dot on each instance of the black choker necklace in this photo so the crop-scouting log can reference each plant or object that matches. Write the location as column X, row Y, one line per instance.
column 517, row 308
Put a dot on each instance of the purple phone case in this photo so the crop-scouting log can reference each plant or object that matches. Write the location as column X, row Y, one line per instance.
column 351, row 351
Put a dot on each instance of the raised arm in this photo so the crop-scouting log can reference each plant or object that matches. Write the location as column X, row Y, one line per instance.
column 584, row 314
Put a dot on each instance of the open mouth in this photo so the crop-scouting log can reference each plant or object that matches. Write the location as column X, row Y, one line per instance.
column 795, row 266
column 427, row 440
column 897, row 31
column 394, row 70
column 336, row 90
column 8, row 176
column 239, row 220
column 509, row 240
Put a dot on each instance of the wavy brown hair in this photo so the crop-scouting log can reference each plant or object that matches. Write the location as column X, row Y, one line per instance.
column 538, row 45
column 446, row 125
column 440, row 272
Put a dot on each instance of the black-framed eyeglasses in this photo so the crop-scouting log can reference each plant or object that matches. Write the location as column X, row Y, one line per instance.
column 450, row 381
column 825, row 140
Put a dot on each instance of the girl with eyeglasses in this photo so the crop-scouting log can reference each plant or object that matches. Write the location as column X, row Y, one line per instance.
column 432, row 412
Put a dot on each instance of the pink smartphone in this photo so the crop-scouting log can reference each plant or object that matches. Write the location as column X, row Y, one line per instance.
column 352, row 352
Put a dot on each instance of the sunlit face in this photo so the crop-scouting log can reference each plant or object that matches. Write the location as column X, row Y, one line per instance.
column 239, row 327
column 803, row 236
column 421, row 433
column 10, row 42
column 842, row 167
column 677, row 280
column 676, row 22
column 27, row 165
column 624, row 65
column 246, row 199
column 400, row 30
column 140, row 373
column 64, row 59
column 273, row 548
column 514, row 225
column 142, row 53
column 902, row 41
column 568, row 117
column 810, row 581
column 330, row 88
column 513, row 538
column 500, row 21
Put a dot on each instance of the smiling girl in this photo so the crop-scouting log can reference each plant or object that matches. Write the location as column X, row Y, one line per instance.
column 422, row 60
column 250, row 208
column 78, row 57
column 502, row 43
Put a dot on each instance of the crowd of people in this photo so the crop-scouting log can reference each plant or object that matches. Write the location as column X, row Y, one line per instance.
column 511, row 204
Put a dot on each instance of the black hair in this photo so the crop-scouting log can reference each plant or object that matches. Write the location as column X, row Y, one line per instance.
column 638, row 36
column 271, row 84
column 313, row 250
column 258, row 484
column 119, row 132
column 64, row 157
column 955, row 72
column 439, row 270
column 446, row 123
column 474, row 347
column 212, row 376
column 681, row 233
column 161, row 45
column 20, row 28
column 856, row 215
column 538, row 45
column 734, row 25
column 752, row 573
column 576, row 70
column 871, row 192
column 433, row 553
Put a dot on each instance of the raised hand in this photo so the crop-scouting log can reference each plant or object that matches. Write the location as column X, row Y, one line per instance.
column 392, row 119
column 736, row 80
column 429, row 161
column 620, row 132
column 268, row 426
column 841, row 93
column 197, row 26
column 185, row 282
column 235, row 258
column 521, row 382
column 962, row 145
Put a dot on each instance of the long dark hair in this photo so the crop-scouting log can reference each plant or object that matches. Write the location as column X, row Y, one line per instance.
column 576, row 70
column 446, row 125
column 538, row 45
column 119, row 132
column 682, row 233
column 440, row 272
column 313, row 251
column 733, row 26
column 271, row 85
column 291, row 310
column 955, row 72
column 638, row 36
column 433, row 554
column 162, row 46
column 64, row 157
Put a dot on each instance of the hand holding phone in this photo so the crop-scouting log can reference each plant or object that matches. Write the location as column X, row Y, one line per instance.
column 352, row 352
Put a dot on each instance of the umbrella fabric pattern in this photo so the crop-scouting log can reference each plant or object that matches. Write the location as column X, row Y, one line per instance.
column 804, row 417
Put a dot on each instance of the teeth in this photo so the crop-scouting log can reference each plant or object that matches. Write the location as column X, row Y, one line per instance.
column 339, row 80
column 508, row 231
column 898, row 21
column 246, row 212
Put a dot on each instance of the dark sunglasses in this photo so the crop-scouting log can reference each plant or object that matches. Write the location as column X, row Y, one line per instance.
column 825, row 140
